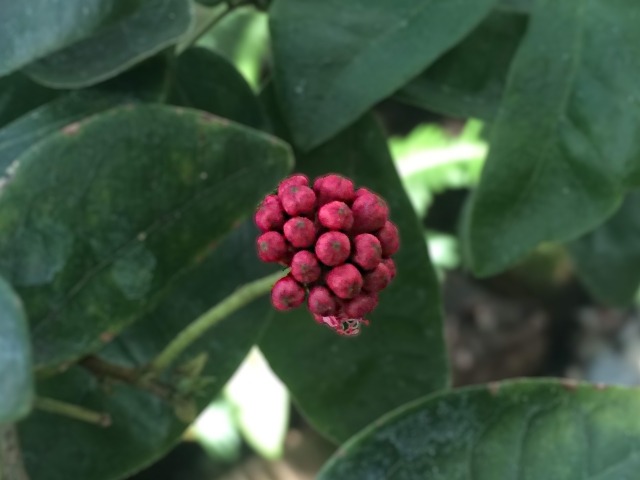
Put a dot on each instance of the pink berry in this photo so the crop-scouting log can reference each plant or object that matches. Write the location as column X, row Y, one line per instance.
column 345, row 281
column 391, row 266
column 272, row 247
column 389, row 239
column 305, row 267
column 298, row 200
column 321, row 302
column 333, row 248
column 297, row 179
column 370, row 213
column 335, row 216
column 300, row 232
column 361, row 305
column 377, row 279
column 287, row 294
column 362, row 191
column 270, row 215
column 334, row 187
column 367, row 251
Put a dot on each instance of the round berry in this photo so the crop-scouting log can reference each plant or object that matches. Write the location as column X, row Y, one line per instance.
column 334, row 187
column 391, row 266
column 333, row 248
column 321, row 302
column 335, row 216
column 345, row 281
column 300, row 232
column 287, row 294
column 362, row 191
column 297, row 179
column 272, row 247
column 367, row 251
column 377, row 279
column 305, row 267
column 370, row 213
column 389, row 239
column 361, row 305
column 270, row 215
column 298, row 200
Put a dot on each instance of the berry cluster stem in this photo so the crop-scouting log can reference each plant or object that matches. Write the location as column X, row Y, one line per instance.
column 240, row 298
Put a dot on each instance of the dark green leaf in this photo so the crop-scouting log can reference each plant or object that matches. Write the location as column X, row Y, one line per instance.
column 30, row 30
column 16, row 379
column 564, row 145
column 516, row 430
column 203, row 79
column 19, row 95
column 210, row 3
column 335, row 59
column 38, row 124
column 144, row 427
column 469, row 80
column 608, row 259
column 101, row 217
column 520, row 6
column 344, row 384
column 150, row 26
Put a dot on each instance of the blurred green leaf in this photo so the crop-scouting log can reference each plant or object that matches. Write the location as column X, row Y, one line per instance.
column 242, row 37
column 16, row 379
column 144, row 427
column 204, row 80
column 149, row 26
column 608, row 258
column 564, row 145
column 430, row 160
column 30, row 30
column 529, row 429
column 336, row 59
column 19, row 95
column 343, row 384
column 261, row 405
column 100, row 218
column 469, row 80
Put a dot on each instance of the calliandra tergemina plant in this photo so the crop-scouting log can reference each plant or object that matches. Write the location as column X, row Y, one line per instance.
column 338, row 243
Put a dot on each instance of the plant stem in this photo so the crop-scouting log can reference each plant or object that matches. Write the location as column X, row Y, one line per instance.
column 11, row 465
column 241, row 297
column 130, row 376
column 72, row 411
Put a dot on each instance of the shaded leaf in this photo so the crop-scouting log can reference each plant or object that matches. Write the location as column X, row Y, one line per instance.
column 469, row 80
column 203, row 79
column 30, row 30
column 520, row 429
column 145, row 427
column 19, row 95
column 520, row 6
column 344, row 384
column 608, row 259
column 564, row 144
column 16, row 379
column 100, row 218
column 150, row 26
column 336, row 59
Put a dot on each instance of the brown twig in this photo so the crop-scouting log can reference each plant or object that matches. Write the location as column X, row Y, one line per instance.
column 11, row 466
column 131, row 376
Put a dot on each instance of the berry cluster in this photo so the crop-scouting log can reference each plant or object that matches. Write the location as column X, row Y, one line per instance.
column 338, row 243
